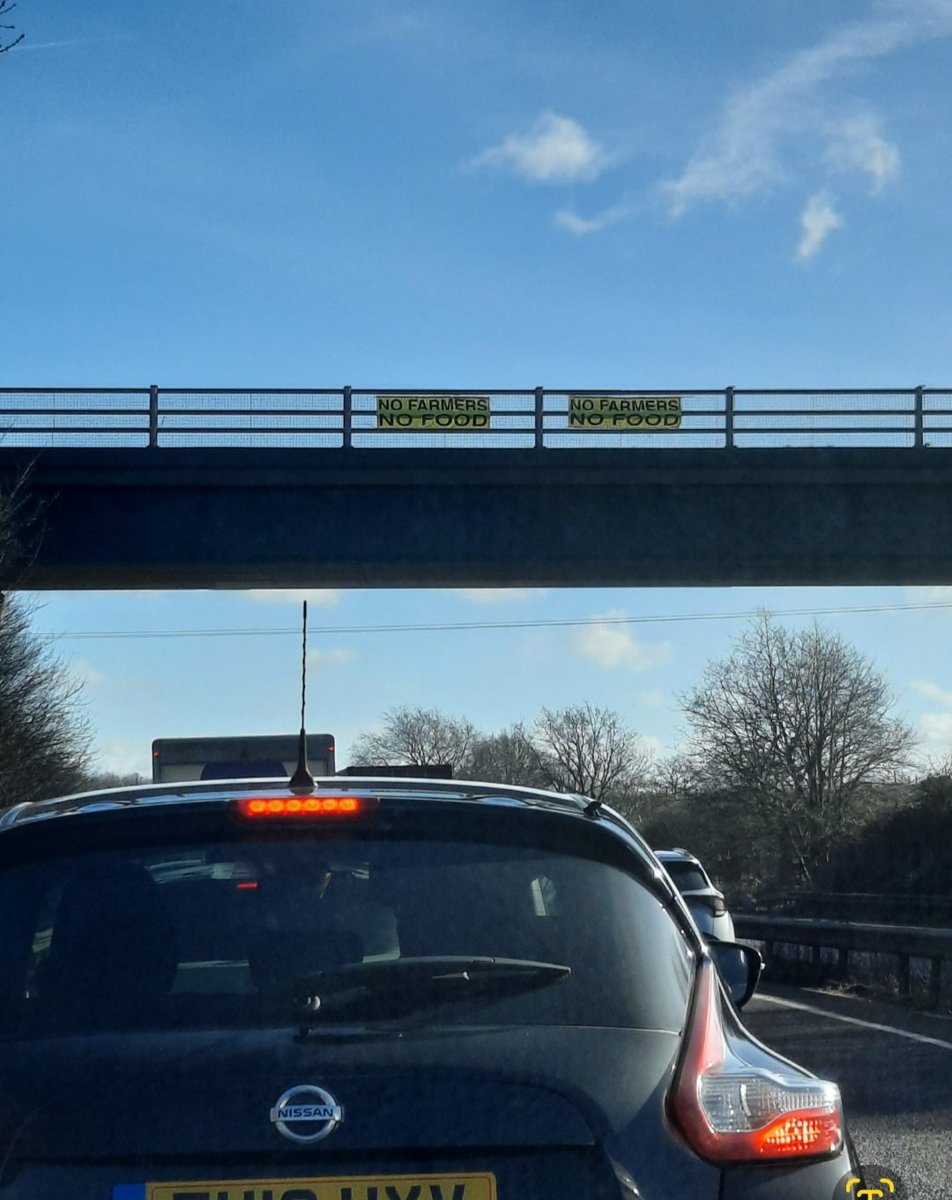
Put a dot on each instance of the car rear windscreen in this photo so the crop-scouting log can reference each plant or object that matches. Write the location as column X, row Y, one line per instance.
column 221, row 934
column 686, row 876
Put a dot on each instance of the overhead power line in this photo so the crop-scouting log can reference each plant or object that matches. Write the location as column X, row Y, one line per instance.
column 462, row 626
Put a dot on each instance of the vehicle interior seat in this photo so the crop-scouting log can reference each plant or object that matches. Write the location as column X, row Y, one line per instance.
column 112, row 954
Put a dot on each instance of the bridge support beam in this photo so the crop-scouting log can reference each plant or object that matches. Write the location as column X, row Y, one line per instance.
column 169, row 518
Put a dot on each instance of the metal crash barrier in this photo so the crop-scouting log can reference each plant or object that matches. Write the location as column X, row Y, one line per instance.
column 905, row 942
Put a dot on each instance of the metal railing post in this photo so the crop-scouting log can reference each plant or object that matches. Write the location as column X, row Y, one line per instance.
column 918, row 423
column 539, row 427
column 348, row 415
column 729, row 418
column 153, row 416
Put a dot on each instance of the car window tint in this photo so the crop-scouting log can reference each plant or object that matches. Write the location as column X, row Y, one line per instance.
column 687, row 876
column 217, row 934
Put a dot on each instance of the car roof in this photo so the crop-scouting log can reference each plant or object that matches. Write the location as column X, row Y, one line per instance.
column 677, row 855
column 220, row 791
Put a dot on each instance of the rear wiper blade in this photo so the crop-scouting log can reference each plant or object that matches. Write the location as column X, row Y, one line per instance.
column 389, row 987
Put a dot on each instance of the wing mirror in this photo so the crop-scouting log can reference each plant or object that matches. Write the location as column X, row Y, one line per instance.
column 740, row 968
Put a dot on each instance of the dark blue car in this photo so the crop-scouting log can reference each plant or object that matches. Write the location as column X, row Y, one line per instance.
column 377, row 989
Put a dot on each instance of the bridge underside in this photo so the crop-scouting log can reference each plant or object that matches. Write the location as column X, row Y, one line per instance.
column 415, row 518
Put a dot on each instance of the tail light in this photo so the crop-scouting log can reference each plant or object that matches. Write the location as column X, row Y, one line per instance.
column 730, row 1110
column 277, row 808
column 718, row 907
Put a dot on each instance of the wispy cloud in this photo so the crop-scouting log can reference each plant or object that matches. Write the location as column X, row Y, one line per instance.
column 857, row 145
column 555, row 150
column 932, row 691
column 934, row 594
column 84, row 673
column 935, row 736
column 817, row 221
column 27, row 45
column 744, row 151
column 329, row 658
column 499, row 595
column 319, row 597
column 613, row 647
column 934, row 728
column 122, row 756
column 581, row 226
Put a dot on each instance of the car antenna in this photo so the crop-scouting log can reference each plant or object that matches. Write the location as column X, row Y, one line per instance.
column 302, row 780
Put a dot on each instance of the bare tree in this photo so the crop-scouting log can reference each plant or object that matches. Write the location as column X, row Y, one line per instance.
column 508, row 757
column 589, row 750
column 100, row 780
column 799, row 725
column 418, row 735
column 5, row 37
column 44, row 737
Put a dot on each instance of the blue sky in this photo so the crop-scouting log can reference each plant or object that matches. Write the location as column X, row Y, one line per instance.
column 462, row 195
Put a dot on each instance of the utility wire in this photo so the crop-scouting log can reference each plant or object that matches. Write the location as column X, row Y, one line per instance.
column 450, row 626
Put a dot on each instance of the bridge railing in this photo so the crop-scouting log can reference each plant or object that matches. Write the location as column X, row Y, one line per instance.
column 906, row 943
column 539, row 418
column 875, row 907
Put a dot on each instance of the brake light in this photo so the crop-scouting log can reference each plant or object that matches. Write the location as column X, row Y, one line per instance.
column 734, row 1111
column 280, row 807
column 718, row 906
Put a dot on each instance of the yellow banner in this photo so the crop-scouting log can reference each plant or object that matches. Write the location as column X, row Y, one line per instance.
column 442, row 414
column 625, row 414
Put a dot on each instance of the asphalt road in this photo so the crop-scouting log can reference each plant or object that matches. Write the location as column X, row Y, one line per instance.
column 894, row 1069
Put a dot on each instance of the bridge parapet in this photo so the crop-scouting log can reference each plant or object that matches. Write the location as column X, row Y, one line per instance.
column 533, row 418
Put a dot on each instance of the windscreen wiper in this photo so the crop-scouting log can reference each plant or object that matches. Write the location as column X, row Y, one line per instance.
column 395, row 987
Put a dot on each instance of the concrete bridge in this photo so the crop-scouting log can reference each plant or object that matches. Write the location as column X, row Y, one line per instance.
column 527, row 500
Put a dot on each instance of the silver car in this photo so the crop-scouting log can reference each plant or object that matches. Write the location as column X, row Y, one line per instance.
column 706, row 902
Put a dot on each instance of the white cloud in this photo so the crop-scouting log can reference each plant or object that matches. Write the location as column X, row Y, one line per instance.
column 499, row 595
column 614, row 646
column 651, row 745
column 932, row 690
column 651, row 698
column 818, row 220
column 857, row 145
column 934, row 594
column 743, row 152
column 329, row 658
column 555, row 150
column 26, row 45
column 935, row 728
column 86, row 674
column 573, row 223
column 319, row 597
column 121, row 757
column 935, row 736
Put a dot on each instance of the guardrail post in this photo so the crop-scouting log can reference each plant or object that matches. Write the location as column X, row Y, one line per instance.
column 935, row 982
column 918, row 423
column 904, row 975
column 539, row 410
column 729, row 418
column 153, row 416
column 348, row 417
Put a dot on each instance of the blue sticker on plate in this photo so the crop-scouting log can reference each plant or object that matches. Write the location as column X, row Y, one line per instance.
column 128, row 1191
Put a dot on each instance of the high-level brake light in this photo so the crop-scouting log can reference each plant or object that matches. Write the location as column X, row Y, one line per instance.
column 297, row 807
column 733, row 1111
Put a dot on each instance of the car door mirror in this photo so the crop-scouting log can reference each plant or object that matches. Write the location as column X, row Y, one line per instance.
column 740, row 968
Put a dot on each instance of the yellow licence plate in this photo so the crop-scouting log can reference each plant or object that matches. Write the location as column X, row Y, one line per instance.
column 333, row 1187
